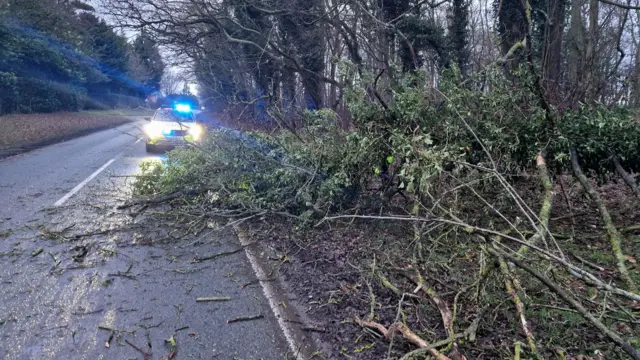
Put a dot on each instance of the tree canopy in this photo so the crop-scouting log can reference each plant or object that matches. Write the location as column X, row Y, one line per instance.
column 58, row 55
column 290, row 52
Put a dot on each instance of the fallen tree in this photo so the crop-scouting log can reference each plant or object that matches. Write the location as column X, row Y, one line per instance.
column 459, row 177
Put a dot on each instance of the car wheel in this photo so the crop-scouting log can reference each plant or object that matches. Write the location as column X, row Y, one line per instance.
column 150, row 148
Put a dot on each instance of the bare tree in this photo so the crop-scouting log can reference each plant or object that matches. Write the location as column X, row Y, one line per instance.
column 172, row 82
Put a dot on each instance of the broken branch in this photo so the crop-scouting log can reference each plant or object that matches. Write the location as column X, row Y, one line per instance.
column 161, row 199
column 445, row 312
column 512, row 289
column 628, row 179
column 635, row 354
column 245, row 318
column 206, row 299
column 145, row 355
column 407, row 333
column 547, row 202
column 215, row 256
column 614, row 236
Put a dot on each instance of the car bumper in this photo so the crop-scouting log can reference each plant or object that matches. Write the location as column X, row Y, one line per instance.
column 170, row 140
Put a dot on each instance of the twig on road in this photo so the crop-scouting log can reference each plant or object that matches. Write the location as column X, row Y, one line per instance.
column 256, row 281
column 215, row 256
column 206, row 299
column 145, row 355
column 220, row 254
column 245, row 318
column 313, row 329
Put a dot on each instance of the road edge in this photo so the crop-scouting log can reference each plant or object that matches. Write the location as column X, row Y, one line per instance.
column 289, row 319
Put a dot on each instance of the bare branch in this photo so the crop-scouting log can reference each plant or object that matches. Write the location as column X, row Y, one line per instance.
column 622, row 6
column 635, row 354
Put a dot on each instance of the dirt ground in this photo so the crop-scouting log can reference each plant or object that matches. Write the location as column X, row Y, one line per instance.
column 24, row 130
column 331, row 267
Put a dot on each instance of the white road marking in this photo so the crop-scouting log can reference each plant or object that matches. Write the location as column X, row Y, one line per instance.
column 86, row 181
column 270, row 293
column 83, row 183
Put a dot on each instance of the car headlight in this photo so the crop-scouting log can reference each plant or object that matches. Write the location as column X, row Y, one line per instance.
column 153, row 129
column 195, row 131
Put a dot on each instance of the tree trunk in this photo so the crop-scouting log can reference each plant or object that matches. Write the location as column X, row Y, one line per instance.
column 634, row 98
column 336, row 54
column 575, row 53
column 512, row 27
column 552, row 50
column 592, row 40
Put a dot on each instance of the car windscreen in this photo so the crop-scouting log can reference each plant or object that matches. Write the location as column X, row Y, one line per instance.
column 173, row 116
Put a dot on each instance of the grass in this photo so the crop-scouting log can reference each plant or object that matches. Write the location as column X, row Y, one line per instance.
column 28, row 130
column 122, row 112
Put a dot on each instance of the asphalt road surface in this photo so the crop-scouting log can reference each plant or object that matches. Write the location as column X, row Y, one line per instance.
column 82, row 280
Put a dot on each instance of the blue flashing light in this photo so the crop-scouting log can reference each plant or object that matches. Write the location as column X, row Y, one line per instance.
column 183, row 108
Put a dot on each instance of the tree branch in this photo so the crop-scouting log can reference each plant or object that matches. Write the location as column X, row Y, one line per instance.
column 635, row 354
column 614, row 234
column 622, row 6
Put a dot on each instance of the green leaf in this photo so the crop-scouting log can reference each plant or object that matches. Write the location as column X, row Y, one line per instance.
column 410, row 187
column 171, row 341
column 390, row 159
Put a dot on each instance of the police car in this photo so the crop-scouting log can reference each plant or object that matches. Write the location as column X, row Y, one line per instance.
column 171, row 127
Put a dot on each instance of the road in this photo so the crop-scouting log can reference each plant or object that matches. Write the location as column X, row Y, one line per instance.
column 77, row 275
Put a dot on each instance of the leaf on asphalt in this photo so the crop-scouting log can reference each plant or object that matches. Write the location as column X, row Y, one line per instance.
column 171, row 341
column 173, row 345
